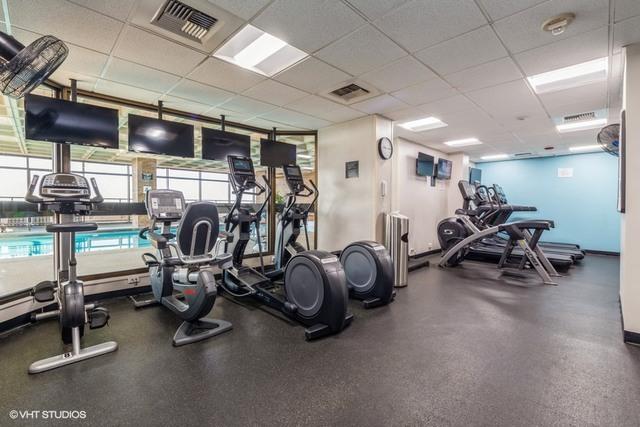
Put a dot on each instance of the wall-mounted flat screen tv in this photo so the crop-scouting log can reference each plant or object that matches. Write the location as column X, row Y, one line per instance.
column 218, row 144
column 155, row 136
column 60, row 121
column 424, row 165
column 475, row 176
column 444, row 169
column 276, row 154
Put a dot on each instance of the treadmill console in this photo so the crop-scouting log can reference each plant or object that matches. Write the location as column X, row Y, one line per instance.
column 64, row 186
column 241, row 171
column 293, row 176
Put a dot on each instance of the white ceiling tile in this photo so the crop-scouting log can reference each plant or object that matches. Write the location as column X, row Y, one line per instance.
column 324, row 109
column 522, row 31
column 452, row 104
column 308, row 24
column 242, row 104
column 294, row 118
column 507, row 100
column 423, row 93
column 406, row 114
column 275, row 93
column 312, row 75
column 626, row 32
column 485, row 75
column 473, row 48
column 577, row 49
column 177, row 103
column 500, row 8
column 424, row 23
column 531, row 123
column 154, row 51
column 139, row 76
column 374, row 9
column 231, row 116
column 127, row 92
column 626, row 9
column 268, row 124
column 209, row 95
column 243, row 8
column 66, row 21
column 399, row 74
column 224, row 75
column 360, row 51
column 118, row 9
column 380, row 104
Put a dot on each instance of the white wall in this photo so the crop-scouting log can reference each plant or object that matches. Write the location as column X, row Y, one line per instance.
column 630, row 221
column 349, row 209
column 414, row 196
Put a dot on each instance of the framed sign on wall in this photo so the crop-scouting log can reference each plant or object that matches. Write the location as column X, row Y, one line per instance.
column 352, row 169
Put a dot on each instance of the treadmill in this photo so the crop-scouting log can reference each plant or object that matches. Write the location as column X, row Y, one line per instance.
column 491, row 249
column 497, row 193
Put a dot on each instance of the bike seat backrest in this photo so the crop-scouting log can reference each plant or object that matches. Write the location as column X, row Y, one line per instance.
column 198, row 229
column 165, row 205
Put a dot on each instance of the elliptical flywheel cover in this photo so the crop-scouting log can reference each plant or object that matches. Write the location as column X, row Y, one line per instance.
column 305, row 284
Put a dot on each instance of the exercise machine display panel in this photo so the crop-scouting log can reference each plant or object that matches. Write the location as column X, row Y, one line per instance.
column 276, row 154
column 475, row 176
column 60, row 121
column 156, row 136
column 218, row 144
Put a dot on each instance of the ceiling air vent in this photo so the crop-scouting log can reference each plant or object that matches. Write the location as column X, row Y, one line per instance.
column 522, row 154
column 350, row 91
column 579, row 117
column 178, row 18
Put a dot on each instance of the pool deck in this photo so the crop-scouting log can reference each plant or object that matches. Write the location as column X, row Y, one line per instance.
column 17, row 274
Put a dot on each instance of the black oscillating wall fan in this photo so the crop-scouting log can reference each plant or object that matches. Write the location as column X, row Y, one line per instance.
column 609, row 139
column 22, row 68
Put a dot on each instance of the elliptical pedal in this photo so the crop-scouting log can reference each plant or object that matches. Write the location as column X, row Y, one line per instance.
column 98, row 318
column 44, row 291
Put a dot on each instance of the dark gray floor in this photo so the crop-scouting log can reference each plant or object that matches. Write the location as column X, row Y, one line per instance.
column 456, row 348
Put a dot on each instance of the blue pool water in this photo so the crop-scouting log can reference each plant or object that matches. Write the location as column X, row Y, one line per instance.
column 42, row 244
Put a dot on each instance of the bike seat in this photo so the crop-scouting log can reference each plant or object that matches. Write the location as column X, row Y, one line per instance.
column 72, row 227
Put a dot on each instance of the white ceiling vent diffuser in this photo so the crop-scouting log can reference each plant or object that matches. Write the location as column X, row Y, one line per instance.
column 350, row 92
column 183, row 20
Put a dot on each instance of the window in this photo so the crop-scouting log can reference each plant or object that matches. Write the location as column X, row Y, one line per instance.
column 13, row 183
column 215, row 191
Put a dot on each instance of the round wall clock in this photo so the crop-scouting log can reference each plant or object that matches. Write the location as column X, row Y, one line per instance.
column 385, row 148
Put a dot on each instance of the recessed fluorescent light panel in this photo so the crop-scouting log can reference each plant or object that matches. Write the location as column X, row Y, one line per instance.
column 255, row 50
column 495, row 157
column 592, row 147
column 463, row 142
column 582, row 125
column 420, row 125
column 573, row 76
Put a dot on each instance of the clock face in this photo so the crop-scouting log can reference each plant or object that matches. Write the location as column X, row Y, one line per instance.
column 385, row 148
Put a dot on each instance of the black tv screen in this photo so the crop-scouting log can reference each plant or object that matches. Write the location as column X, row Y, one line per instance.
column 60, row 121
column 444, row 169
column 218, row 144
column 424, row 165
column 155, row 136
column 276, row 154
column 475, row 176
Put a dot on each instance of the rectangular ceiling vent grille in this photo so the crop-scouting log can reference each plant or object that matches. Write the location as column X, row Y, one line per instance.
column 579, row 117
column 178, row 18
column 522, row 154
column 350, row 92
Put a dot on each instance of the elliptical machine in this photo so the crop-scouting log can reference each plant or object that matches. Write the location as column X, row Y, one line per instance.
column 196, row 245
column 367, row 264
column 67, row 195
column 313, row 291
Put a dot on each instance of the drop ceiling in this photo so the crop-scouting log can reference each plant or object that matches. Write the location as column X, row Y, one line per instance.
column 464, row 62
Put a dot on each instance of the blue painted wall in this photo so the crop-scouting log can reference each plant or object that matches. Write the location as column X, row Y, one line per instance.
column 583, row 207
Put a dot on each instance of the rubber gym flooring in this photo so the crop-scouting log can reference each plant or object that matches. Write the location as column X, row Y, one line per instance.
column 457, row 347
